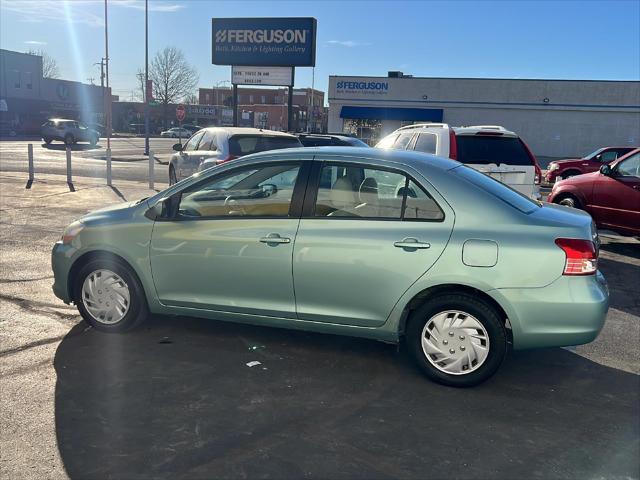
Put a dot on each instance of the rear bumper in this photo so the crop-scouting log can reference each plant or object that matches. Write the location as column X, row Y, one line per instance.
column 570, row 311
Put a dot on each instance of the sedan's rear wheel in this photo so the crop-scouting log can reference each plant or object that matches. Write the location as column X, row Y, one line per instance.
column 568, row 201
column 457, row 339
column 109, row 296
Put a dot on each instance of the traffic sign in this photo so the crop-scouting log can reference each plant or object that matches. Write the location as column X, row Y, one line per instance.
column 181, row 113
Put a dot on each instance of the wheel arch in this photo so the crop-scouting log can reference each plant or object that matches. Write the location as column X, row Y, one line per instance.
column 96, row 255
column 424, row 295
column 572, row 170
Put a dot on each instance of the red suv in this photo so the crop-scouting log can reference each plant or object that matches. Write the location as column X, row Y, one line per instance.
column 611, row 195
column 563, row 169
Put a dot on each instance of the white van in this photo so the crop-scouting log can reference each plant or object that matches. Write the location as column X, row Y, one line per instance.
column 491, row 149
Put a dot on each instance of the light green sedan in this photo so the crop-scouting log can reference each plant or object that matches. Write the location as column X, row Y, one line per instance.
column 364, row 242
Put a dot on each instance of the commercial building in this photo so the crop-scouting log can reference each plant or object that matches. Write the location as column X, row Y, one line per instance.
column 557, row 118
column 27, row 99
column 267, row 107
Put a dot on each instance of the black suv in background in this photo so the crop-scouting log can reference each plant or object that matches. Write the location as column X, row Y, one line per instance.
column 329, row 140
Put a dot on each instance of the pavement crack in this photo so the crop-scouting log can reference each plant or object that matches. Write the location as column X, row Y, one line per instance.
column 37, row 343
column 18, row 280
column 35, row 306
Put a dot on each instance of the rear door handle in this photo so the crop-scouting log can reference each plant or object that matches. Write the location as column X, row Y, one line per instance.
column 411, row 242
column 275, row 238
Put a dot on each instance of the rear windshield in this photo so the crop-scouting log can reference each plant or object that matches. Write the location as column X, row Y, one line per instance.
column 485, row 149
column 497, row 189
column 240, row 145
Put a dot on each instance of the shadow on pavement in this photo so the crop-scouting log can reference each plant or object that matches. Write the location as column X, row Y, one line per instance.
column 623, row 283
column 627, row 249
column 176, row 399
column 78, row 147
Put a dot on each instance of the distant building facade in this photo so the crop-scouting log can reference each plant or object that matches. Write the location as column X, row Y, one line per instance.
column 27, row 99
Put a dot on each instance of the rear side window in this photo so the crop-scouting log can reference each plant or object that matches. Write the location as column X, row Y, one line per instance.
column 497, row 189
column 426, row 143
column 388, row 141
column 208, row 141
column 485, row 149
column 240, row 145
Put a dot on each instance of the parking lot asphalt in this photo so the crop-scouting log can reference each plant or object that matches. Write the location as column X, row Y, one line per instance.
column 176, row 398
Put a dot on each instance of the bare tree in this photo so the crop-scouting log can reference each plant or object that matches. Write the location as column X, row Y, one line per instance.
column 191, row 99
column 173, row 78
column 49, row 64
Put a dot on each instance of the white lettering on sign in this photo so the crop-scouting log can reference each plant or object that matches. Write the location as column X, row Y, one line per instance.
column 262, row 36
column 280, row 76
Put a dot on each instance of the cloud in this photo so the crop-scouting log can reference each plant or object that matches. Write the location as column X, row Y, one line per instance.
column 39, row 11
column 153, row 6
column 348, row 43
column 35, row 42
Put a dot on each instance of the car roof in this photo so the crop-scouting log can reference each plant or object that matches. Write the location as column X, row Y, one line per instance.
column 463, row 130
column 406, row 157
column 626, row 155
column 251, row 131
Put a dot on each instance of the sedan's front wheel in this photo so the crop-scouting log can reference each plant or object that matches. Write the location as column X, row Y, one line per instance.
column 109, row 296
column 457, row 339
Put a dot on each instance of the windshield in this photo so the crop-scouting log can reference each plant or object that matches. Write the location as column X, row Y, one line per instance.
column 240, row 145
column 593, row 154
column 497, row 189
column 485, row 149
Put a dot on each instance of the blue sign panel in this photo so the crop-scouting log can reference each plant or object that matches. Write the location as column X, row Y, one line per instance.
column 272, row 42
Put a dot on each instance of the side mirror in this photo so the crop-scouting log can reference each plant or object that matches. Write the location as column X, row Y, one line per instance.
column 605, row 170
column 163, row 208
column 598, row 158
column 177, row 147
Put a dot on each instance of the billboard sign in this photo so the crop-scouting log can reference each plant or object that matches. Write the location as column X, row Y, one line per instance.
column 279, row 76
column 273, row 42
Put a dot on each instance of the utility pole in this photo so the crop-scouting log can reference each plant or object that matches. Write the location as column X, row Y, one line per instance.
column 104, row 96
column 106, row 59
column 146, row 77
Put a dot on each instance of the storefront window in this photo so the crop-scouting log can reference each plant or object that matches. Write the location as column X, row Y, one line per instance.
column 367, row 130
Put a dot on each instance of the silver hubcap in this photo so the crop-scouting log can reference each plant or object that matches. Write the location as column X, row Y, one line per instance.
column 105, row 295
column 568, row 202
column 455, row 342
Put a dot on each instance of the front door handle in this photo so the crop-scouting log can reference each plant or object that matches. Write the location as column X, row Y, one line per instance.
column 411, row 242
column 275, row 238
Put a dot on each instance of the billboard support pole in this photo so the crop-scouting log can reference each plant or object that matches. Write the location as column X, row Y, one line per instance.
column 290, row 101
column 235, row 105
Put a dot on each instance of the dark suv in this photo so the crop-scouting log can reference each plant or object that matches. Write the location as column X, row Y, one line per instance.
column 329, row 140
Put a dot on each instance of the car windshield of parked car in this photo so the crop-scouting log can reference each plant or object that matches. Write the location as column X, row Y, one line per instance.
column 356, row 142
column 497, row 189
column 486, row 149
column 592, row 155
column 240, row 145
column 388, row 141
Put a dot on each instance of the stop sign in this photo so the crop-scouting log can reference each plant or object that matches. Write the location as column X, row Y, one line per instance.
column 181, row 112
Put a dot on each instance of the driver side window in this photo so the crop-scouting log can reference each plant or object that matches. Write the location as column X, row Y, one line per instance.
column 629, row 167
column 264, row 191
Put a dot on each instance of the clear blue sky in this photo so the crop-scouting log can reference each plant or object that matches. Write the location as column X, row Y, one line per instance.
column 508, row 39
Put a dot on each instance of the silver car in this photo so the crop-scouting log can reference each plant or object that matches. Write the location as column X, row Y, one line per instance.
column 212, row 146
column 68, row 131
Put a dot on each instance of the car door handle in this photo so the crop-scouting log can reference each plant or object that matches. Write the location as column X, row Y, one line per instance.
column 411, row 242
column 275, row 238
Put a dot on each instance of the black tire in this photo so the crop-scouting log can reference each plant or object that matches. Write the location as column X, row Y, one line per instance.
column 483, row 312
column 173, row 179
column 137, row 311
column 69, row 140
column 568, row 200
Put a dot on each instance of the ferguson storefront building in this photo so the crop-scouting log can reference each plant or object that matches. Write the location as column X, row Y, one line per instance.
column 557, row 118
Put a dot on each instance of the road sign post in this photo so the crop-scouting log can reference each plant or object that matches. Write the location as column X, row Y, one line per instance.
column 30, row 154
column 151, row 171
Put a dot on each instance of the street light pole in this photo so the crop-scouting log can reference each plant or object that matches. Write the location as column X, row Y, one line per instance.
column 106, row 49
column 146, row 77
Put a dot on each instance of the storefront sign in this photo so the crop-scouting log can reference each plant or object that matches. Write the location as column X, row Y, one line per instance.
column 362, row 87
column 264, row 41
column 280, row 76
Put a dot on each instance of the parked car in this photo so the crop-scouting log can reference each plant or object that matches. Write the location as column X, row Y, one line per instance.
column 563, row 169
column 445, row 263
column 330, row 140
column 215, row 145
column 68, row 131
column 491, row 149
column 611, row 195
column 192, row 128
column 176, row 132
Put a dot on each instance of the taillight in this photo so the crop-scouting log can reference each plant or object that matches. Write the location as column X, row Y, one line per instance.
column 453, row 146
column 582, row 257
